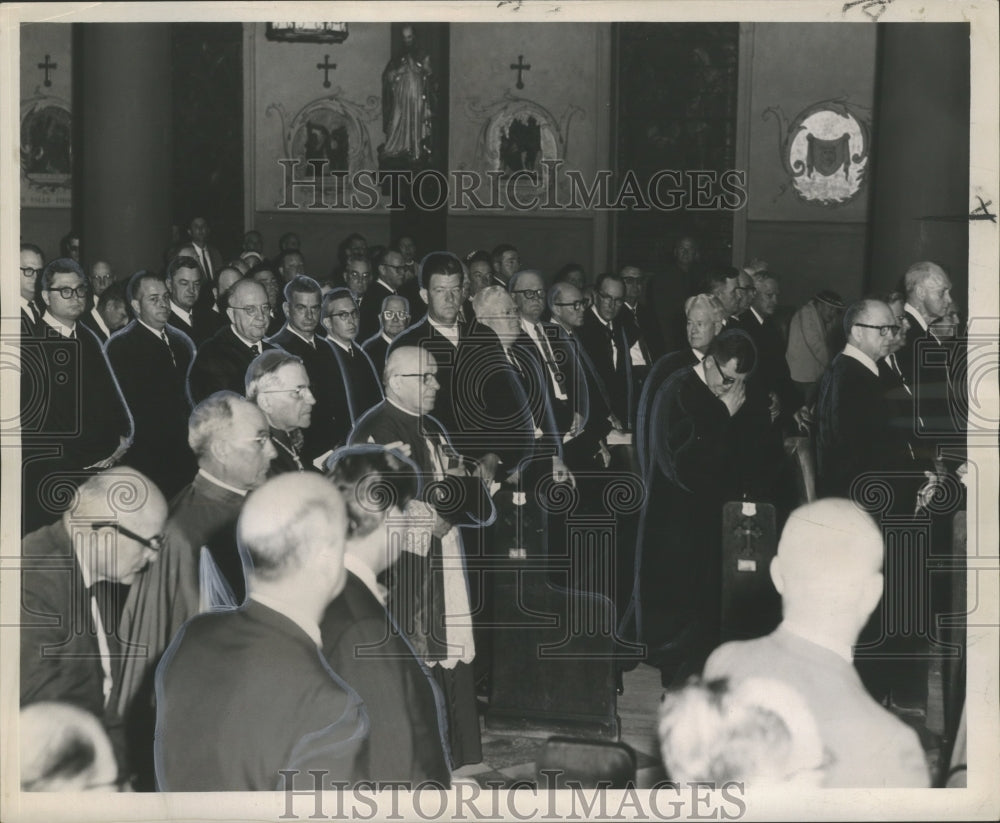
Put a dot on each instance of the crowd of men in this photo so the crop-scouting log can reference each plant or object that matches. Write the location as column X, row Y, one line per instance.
column 314, row 462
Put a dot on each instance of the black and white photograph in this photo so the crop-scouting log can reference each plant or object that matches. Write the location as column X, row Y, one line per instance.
column 508, row 410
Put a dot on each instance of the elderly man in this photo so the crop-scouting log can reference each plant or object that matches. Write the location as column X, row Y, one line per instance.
column 69, row 642
column 439, row 619
column 100, row 277
column 603, row 338
column 688, row 477
column 389, row 267
column 73, row 416
column 808, row 352
column 222, row 360
column 340, row 319
column 263, row 273
column 439, row 332
column 184, row 285
column 828, row 575
column 151, row 361
column 199, row 567
column 393, row 319
column 278, row 383
column 265, row 657
column 331, row 416
column 406, row 741
column 855, row 436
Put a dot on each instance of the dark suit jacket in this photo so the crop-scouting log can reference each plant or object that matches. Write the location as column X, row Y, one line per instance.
column 579, row 453
column 661, row 371
column 244, row 694
column 331, row 416
column 156, row 392
column 206, row 323
column 423, row 335
column 596, row 341
column 364, row 390
column 365, row 649
column 666, row 294
column 854, row 433
column 210, row 280
column 377, row 348
column 641, row 325
column 88, row 320
column 772, row 372
column 371, row 308
column 221, row 363
column 60, row 656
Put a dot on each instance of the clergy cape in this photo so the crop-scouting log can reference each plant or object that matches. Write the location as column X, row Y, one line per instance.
column 243, row 695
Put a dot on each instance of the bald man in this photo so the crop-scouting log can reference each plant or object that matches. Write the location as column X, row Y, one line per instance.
column 828, row 573
column 243, row 695
column 223, row 359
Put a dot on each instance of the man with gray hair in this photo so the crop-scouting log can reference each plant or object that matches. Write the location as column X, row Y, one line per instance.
column 828, row 573
column 245, row 699
column 199, row 567
column 279, row 384
column 393, row 319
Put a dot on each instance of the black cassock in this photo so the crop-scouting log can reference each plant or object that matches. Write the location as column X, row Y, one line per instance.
column 687, row 479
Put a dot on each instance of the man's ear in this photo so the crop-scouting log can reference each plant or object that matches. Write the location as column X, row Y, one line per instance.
column 45, row 297
column 135, row 307
column 231, row 314
column 424, row 295
column 286, row 309
column 776, row 575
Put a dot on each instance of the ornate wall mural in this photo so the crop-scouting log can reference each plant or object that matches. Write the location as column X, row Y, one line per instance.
column 46, row 151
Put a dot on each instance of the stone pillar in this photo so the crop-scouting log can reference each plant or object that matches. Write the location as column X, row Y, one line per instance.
column 126, row 110
column 920, row 183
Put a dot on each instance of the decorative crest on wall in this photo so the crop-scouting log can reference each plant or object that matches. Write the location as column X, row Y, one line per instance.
column 331, row 130
column 517, row 134
column 825, row 150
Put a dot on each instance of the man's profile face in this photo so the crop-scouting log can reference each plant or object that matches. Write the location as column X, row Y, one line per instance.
column 249, row 310
column 632, row 277
column 395, row 316
column 341, row 319
column 288, row 400
column 199, row 230
column 901, row 320
column 871, row 340
column 358, row 275
column 529, row 296
column 722, row 378
column 152, row 303
column 937, row 295
column 609, row 299
column 184, row 287
column 31, row 267
column 745, row 292
column 766, row 299
column 114, row 314
column 391, row 269
column 502, row 316
column 249, row 449
column 727, row 296
column 569, row 306
column 416, row 388
column 66, row 309
column 443, row 297
column 100, row 278
column 702, row 327
column 303, row 312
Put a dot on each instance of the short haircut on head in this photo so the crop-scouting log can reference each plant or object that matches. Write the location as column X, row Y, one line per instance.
column 115, row 293
column 61, row 265
column 918, row 273
column 212, row 415
column 383, row 254
column 136, row 280
column 478, row 256
column 33, row 249
column 300, row 284
column 113, row 493
column 706, row 301
column 389, row 297
column 183, row 262
column 438, row 263
column 563, row 274
column 604, row 277
column 263, row 369
column 501, row 250
column 857, row 312
column 512, row 284
column 282, row 258
column 340, row 293
column 556, row 293
column 734, row 344
column 263, row 265
column 398, row 477
column 718, row 275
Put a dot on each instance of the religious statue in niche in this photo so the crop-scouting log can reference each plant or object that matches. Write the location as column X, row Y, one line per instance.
column 824, row 151
column 46, row 151
column 408, row 104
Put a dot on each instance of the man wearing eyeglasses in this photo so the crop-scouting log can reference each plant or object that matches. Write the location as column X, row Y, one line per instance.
column 73, row 415
column 603, row 339
column 278, row 383
column 394, row 319
column 340, row 318
column 151, row 360
column 389, row 266
column 331, row 416
column 223, row 359
column 69, row 642
column 32, row 262
column 854, row 434
column 358, row 278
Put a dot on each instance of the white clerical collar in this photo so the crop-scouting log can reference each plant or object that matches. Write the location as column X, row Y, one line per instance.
column 211, row 478
column 159, row 333
column 757, row 315
column 699, row 369
column 699, row 356
column 385, row 337
column 839, row 649
column 247, row 342
column 300, row 619
column 183, row 314
column 390, row 288
column 100, row 321
column 64, row 331
column 862, row 358
column 917, row 315
column 300, row 335
column 451, row 332
column 529, row 328
column 402, row 409
column 363, row 572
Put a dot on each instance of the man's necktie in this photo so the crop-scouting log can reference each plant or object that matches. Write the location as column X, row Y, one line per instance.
column 256, row 349
column 350, row 352
column 166, row 342
column 550, row 362
column 34, row 313
column 206, row 262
